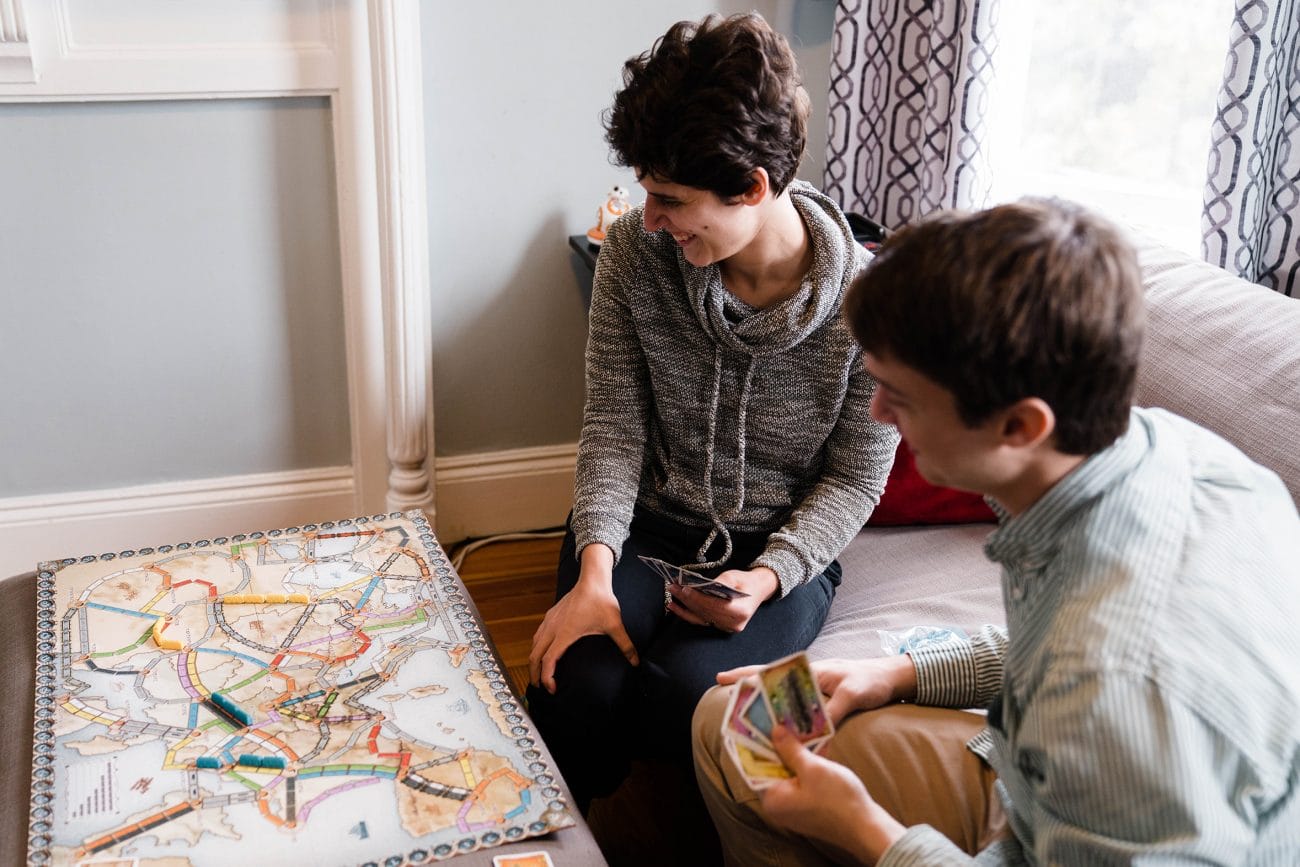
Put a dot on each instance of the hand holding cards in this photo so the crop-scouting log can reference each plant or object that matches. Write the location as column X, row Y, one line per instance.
column 783, row 693
column 686, row 578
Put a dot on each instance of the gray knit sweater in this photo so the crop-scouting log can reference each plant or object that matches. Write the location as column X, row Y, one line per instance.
column 718, row 415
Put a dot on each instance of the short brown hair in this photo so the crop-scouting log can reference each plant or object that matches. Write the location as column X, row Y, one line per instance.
column 1034, row 299
column 709, row 103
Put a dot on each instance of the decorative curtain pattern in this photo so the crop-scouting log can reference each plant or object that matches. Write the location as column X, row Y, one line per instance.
column 1252, row 197
column 909, row 96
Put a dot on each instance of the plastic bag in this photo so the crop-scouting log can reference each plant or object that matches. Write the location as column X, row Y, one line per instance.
column 919, row 637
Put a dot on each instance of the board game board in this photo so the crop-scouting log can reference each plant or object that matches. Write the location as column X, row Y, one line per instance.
column 315, row 695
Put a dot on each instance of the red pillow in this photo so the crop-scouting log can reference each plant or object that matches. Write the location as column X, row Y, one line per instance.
column 910, row 499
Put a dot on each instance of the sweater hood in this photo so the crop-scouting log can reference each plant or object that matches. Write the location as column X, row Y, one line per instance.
column 776, row 329
column 759, row 334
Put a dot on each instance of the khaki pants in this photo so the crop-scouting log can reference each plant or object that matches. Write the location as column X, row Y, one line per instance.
column 912, row 759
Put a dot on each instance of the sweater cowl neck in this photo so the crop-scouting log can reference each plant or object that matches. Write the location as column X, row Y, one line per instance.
column 784, row 325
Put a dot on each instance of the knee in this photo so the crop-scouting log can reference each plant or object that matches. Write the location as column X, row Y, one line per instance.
column 589, row 679
column 706, row 725
column 874, row 740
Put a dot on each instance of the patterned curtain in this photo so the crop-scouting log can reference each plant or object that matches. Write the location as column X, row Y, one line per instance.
column 1252, row 198
column 909, row 95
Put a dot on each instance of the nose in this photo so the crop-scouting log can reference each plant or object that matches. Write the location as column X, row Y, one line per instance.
column 652, row 216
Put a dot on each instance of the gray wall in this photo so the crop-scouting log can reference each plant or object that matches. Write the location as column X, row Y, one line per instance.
column 516, row 163
column 170, row 304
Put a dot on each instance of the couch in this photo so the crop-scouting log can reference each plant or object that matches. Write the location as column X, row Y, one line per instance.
column 1219, row 350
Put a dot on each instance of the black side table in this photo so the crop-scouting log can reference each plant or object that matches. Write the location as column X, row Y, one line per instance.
column 584, row 263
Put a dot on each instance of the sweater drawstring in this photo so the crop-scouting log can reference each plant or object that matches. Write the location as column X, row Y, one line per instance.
column 719, row 522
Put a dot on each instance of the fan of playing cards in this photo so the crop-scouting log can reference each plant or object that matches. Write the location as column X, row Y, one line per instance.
column 686, row 578
column 784, row 693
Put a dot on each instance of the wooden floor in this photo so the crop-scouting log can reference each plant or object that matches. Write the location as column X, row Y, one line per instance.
column 513, row 584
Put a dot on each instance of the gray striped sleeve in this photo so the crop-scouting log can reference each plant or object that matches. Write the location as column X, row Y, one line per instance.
column 961, row 674
column 923, row 846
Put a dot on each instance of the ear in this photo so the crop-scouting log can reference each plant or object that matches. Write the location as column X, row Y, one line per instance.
column 1027, row 423
column 760, row 183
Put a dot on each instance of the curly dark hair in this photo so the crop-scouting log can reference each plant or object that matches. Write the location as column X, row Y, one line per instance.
column 1038, row 298
column 709, row 103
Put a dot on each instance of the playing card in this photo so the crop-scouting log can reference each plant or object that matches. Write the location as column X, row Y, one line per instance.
column 666, row 571
column 759, row 772
column 736, row 727
column 525, row 859
column 794, row 701
column 720, row 590
column 686, row 578
column 757, row 719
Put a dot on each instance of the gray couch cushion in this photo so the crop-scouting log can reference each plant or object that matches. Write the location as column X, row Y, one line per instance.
column 899, row 577
column 1224, row 353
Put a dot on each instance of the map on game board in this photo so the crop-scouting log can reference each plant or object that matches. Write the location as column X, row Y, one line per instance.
column 317, row 695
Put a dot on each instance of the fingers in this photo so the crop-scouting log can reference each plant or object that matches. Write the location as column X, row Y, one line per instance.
column 791, row 752
column 704, row 610
column 683, row 604
column 729, row 677
column 554, row 637
column 839, row 705
column 548, row 669
column 620, row 636
column 547, row 649
column 541, row 640
column 687, row 614
column 829, row 674
column 541, row 662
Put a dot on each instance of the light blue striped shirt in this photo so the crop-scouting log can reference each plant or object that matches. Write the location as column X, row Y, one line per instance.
column 1145, row 696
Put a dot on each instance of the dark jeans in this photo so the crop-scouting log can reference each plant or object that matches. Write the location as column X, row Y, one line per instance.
column 606, row 712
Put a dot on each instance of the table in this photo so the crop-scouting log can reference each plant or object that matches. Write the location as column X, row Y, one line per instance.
column 584, row 263
column 18, row 621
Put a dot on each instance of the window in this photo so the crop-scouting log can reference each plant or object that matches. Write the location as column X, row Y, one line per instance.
column 1111, row 104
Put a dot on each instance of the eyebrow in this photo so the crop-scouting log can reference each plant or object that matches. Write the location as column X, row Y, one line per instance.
column 886, row 385
column 894, row 392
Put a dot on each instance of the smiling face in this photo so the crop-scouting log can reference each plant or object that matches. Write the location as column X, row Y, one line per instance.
column 948, row 452
column 707, row 228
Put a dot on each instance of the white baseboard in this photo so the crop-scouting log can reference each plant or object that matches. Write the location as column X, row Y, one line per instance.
column 477, row 495
column 52, row 526
column 504, row 492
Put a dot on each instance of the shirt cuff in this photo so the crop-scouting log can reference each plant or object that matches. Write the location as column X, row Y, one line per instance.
column 586, row 532
column 922, row 846
column 788, row 566
column 945, row 674
column 960, row 673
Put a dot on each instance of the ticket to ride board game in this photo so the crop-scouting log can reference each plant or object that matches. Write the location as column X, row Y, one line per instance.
column 321, row 694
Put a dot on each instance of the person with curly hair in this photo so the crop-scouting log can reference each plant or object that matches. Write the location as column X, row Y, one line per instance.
column 726, row 426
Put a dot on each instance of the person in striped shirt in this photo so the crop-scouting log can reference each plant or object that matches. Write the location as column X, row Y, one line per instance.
column 1143, row 701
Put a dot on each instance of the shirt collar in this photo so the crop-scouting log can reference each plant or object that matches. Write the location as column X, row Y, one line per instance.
column 1030, row 538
